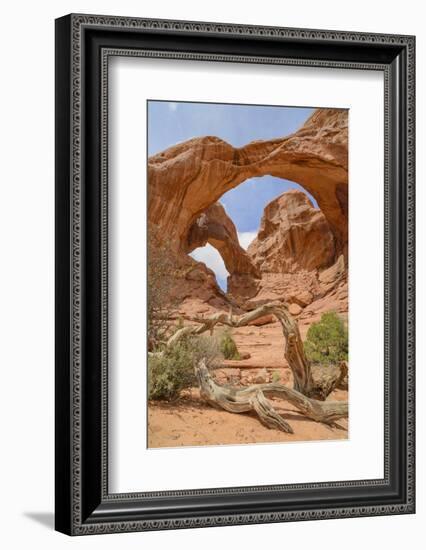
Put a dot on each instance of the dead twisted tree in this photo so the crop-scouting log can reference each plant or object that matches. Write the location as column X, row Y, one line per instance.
column 311, row 385
column 253, row 399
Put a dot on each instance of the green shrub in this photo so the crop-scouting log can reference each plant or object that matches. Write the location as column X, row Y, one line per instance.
column 228, row 347
column 327, row 340
column 276, row 377
column 173, row 370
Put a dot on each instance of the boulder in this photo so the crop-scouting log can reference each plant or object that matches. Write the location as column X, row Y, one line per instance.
column 261, row 377
column 295, row 309
column 303, row 298
column 265, row 320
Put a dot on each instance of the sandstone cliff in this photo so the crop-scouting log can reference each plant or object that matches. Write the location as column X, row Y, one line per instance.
column 295, row 254
column 293, row 236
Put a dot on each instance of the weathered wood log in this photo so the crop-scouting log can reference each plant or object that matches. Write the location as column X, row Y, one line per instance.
column 327, row 378
column 253, row 398
column 317, row 383
column 343, row 382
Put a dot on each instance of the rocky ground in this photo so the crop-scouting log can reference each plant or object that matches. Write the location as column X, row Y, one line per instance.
column 190, row 421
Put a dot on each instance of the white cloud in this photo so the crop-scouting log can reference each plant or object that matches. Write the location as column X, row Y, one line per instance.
column 173, row 106
column 246, row 237
column 211, row 257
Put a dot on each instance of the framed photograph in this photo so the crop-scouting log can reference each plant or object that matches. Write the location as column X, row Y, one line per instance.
column 234, row 274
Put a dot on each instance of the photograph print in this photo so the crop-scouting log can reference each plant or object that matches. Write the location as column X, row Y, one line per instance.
column 247, row 274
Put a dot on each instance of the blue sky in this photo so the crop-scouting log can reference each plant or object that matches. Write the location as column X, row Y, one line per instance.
column 172, row 122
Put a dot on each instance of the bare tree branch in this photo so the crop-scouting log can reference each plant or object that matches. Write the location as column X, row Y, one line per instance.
column 315, row 383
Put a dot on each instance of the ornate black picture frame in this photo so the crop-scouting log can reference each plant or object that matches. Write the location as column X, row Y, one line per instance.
column 83, row 46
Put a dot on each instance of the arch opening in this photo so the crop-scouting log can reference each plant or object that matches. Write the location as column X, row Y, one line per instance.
column 245, row 204
column 211, row 257
column 221, row 236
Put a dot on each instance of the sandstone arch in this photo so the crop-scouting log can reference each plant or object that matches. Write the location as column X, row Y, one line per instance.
column 215, row 227
column 188, row 178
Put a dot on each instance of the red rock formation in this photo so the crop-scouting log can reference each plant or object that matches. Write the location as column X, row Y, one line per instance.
column 296, row 242
column 293, row 236
column 186, row 179
column 295, row 253
column 215, row 227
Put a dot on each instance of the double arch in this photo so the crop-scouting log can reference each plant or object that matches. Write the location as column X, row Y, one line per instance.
column 186, row 181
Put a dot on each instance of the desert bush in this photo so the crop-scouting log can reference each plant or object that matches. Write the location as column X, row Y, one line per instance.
column 162, row 271
column 228, row 347
column 276, row 377
column 172, row 370
column 327, row 340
